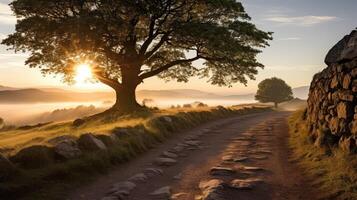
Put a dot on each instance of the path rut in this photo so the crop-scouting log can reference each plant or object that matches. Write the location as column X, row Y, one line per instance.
column 244, row 157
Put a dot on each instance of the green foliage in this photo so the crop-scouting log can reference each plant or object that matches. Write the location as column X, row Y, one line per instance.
column 129, row 41
column 273, row 90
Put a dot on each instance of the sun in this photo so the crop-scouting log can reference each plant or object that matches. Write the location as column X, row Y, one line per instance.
column 83, row 73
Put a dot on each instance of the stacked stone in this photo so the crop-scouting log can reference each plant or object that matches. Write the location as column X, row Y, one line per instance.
column 332, row 103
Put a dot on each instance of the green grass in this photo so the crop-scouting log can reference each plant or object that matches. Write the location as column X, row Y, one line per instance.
column 146, row 131
column 334, row 171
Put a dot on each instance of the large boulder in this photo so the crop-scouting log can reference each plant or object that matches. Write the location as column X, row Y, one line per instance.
column 108, row 140
column 67, row 150
column 345, row 49
column 60, row 139
column 34, row 157
column 89, row 142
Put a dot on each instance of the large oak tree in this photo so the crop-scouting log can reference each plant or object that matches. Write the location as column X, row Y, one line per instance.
column 128, row 41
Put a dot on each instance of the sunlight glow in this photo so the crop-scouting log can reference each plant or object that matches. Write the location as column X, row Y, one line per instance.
column 83, row 73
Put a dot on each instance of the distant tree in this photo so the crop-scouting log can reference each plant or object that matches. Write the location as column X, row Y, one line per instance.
column 128, row 41
column 274, row 90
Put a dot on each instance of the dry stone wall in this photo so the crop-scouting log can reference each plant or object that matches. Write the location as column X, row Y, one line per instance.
column 332, row 103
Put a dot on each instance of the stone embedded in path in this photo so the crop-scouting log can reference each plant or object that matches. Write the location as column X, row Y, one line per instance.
column 122, row 187
column 221, row 171
column 193, row 143
column 152, row 172
column 191, row 137
column 162, row 193
column 249, row 168
column 165, row 162
column 179, row 196
column 138, row 178
column 178, row 176
column 245, row 184
column 206, row 185
column 177, row 149
column 167, row 154
column 211, row 190
column 110, row 198
column 258, row 157
column 230, row 158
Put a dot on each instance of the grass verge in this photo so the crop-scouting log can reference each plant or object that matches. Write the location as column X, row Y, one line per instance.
column 334, row 171
column 145, row 132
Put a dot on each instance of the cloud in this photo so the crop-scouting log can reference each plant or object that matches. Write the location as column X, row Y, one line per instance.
column 308, row 20
column 6, row 15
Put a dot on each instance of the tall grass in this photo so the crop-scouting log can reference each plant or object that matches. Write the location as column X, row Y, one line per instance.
column 334, row 171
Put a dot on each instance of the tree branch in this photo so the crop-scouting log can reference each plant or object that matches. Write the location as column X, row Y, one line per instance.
column 167, row 66
column 107, row 81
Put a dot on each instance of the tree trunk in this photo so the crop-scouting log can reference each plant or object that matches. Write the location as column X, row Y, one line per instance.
column 126, row 99
column 276, row 104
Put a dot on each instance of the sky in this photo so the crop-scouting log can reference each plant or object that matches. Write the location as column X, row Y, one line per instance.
column 304, row 31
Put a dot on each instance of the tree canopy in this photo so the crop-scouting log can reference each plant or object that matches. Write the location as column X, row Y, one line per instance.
column 128, row 41
column 273, row 90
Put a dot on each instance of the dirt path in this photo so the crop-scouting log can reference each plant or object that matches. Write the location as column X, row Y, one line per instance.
column 243, row 157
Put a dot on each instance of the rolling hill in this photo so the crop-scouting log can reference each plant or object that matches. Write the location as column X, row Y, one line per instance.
column 42, row 95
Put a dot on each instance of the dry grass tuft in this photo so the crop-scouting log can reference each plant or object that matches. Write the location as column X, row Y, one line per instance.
column 335, row 172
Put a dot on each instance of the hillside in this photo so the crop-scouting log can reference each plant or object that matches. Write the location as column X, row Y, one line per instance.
column 38, row 95
column 50, row 95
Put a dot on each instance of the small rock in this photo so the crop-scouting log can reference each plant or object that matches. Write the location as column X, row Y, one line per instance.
column 88, row 142
column 123, row 187
column 162, row 193
column 178, row 176
column 34, row 157
column 177, row 149
column 211, row 190
column 78, row 122
column 167, row 119
column 62, row 138
column 206, row 185
column 138, row 178
column 167, row 154
column 151, row 172
column 121, row 132
column 240, row 159
column 165, row 161
column 221, row 171
column 108, row 140
column 193, row 143
column 258, row 157
column 110, row 198
column 227, row 158
column 244, row 184
column 179, row 196
column 68, row 149
column 249, row 168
